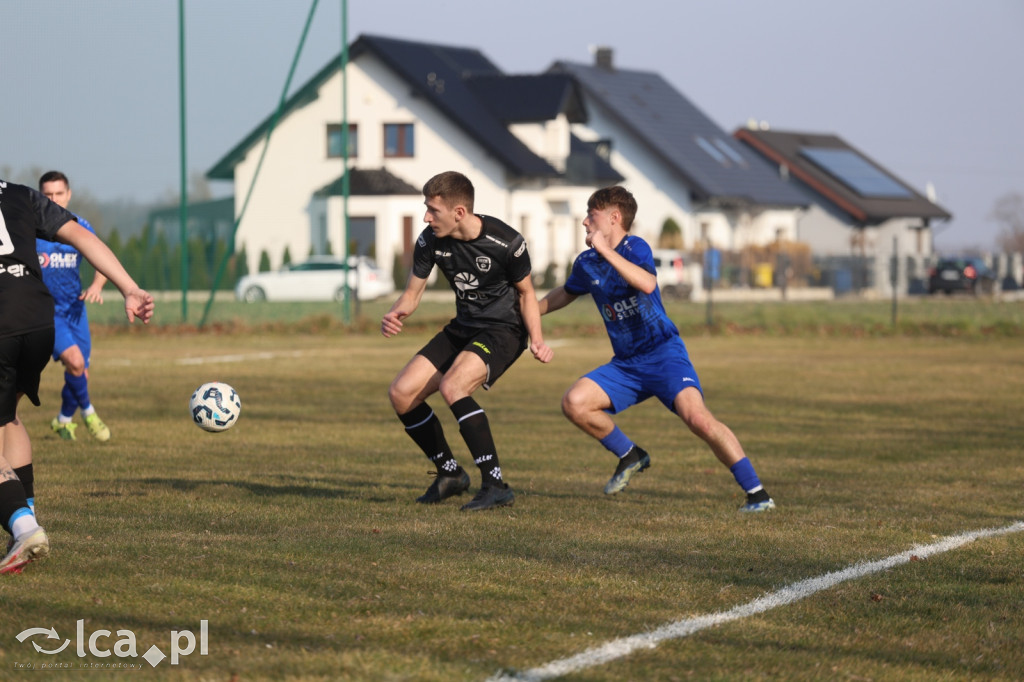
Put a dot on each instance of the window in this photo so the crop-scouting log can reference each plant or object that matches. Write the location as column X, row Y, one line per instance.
column 334, row 140
column 398, row 140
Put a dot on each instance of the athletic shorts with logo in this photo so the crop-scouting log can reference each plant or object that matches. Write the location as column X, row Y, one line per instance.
column 662, row 373
column 498, row 346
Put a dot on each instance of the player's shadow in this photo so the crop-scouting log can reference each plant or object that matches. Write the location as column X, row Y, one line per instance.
column 313, row 488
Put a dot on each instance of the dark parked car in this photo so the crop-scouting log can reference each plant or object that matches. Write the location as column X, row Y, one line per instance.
column 961, row 274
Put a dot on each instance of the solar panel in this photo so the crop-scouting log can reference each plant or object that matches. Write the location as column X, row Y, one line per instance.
column 856, row 172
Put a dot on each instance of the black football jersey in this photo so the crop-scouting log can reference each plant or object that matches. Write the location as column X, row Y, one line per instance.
column 25, row 302
column 481, row 272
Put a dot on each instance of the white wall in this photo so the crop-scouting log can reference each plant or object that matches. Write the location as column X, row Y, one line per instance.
column 659, row 193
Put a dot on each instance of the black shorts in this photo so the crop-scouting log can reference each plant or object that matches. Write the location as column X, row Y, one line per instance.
column 497, row 346
column 22, row 359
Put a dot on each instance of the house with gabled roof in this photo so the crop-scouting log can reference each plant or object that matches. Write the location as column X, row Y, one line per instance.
column 414, row 109
column 679, row 163
column 861, row 212
column 535, row 146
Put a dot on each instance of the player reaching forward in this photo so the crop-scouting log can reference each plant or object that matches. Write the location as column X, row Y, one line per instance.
column 488, row 267
column 26, row 339
column 650, row 357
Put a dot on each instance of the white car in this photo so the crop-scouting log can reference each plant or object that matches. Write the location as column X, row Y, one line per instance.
column 321, row 278
column 673, row 273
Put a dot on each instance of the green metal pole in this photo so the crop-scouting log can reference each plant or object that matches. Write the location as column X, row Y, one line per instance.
column 183, row 209
column 347, row 310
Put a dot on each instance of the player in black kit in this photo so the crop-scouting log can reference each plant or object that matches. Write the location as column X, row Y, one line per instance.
column 26, row 340
column 496, row 315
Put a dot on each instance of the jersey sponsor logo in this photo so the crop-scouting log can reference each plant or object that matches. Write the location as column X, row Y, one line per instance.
column 16, row 270
column 483, row 263
column 496, row 240
column 520, row 250
column 58, row 260
column 466, row 285
column 466, row 281
column 620, row 310
column 442, row 254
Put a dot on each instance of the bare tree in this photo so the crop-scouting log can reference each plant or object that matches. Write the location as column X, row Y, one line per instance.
column 1009, row 213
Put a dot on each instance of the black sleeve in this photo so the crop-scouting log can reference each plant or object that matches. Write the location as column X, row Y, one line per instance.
column 51, row 216
column 422, row 254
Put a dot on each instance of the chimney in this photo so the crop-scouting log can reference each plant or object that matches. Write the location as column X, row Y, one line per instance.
column 603, row 58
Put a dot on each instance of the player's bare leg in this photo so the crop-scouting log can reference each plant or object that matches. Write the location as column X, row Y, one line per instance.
column 584, row 404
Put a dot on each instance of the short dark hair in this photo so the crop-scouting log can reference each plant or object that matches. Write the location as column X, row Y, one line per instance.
column 53, row 176
column 618, row 197
column 452, row 187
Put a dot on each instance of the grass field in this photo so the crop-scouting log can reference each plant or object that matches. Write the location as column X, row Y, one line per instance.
column 295, row 535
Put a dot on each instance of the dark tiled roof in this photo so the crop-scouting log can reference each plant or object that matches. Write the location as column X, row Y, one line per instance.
column 368, row 183
column 717, row 170
column 588, row 164
column 785, row 149
column 440, row 74
column 527, row 99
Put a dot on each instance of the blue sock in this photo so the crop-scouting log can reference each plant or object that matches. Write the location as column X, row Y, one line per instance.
column 743, row 472
column 79, row 387
column 617, row 443
column 68, row 403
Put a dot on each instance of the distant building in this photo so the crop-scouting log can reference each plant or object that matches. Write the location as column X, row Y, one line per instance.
column 860, row 213
column 535, row 146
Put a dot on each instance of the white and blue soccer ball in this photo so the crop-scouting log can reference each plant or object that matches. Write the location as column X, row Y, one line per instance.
column 215, row 406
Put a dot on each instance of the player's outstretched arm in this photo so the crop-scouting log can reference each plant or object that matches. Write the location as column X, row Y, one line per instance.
column 556, row 299
column 138, row 303
column 405, row 306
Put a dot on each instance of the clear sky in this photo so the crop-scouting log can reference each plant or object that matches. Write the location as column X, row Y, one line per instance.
column 931, row 89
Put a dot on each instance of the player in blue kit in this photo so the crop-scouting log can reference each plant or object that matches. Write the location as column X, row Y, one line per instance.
column 650, row 357
column 72, row 340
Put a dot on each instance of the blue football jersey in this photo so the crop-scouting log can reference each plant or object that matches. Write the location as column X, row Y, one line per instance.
column 636, row 322
column 59, row 264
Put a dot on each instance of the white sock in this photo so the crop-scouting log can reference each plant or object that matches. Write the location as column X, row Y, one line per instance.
column 86, row 411
column 26, row 523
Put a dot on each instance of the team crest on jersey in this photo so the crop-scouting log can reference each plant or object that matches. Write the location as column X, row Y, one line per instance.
column 421, row 241
column 483, row 263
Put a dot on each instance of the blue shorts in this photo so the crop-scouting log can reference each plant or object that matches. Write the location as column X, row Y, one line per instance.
column 72, row 329
column 663, row 373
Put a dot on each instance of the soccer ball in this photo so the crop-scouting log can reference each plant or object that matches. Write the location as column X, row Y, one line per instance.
column 215, row 406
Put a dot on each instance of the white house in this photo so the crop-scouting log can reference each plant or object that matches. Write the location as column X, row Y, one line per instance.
column 535, row 147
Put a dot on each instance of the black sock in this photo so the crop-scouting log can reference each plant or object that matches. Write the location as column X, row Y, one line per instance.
column 759, row 496
column 27, row 479
column 425, row 429
column 476, row 431
column 12, row 498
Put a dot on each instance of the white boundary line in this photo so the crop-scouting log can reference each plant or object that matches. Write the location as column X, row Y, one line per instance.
column 624, row 646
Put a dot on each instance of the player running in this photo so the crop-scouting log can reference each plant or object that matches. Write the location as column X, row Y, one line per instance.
column 72, row 340
column 650, row 357
column 488, row 267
